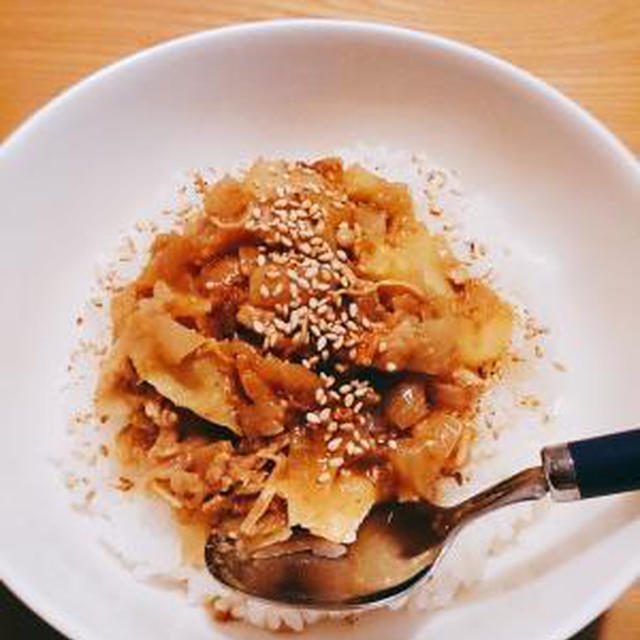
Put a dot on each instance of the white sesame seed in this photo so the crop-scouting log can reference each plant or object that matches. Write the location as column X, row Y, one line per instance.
column 258, row 327
column 353, row 310
column 322, row 343
column 208, row 285
column 347, row 426
column 382, row 347
column 336, row 463
column 334, row 444
column 333, row 427
column 358, row 407
column 325, row 354
column 313, row 418
column 392, row 444
column 349, row 400
column 262, row 260
column 324, row 477
column 341, row 254
column 391, row 366
column 325, row 414
column 264, row 291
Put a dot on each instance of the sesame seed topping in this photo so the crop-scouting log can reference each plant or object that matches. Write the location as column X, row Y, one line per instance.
column 258, row 327
column 391, row 366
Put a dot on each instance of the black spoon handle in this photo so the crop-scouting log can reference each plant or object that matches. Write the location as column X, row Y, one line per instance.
column 594, row 467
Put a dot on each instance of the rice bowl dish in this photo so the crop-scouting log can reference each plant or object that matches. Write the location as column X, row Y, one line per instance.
column 132, row 435
column 545, row 193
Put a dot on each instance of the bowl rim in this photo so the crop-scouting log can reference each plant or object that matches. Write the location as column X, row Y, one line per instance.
column 42, row 604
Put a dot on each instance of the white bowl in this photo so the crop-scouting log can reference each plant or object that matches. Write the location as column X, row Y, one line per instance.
column 107, row 151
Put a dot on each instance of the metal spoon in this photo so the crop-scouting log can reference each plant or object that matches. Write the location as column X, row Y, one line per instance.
column 400, row 544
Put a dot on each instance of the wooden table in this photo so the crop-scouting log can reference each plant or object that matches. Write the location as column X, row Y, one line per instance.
column 589, row 49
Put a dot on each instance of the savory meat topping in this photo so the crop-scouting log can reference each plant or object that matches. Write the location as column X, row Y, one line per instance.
column 300, row 350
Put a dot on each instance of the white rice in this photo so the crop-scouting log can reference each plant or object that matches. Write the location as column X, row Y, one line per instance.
column 141, row 532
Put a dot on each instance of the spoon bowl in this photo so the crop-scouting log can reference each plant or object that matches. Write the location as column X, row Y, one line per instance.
column 399, row 545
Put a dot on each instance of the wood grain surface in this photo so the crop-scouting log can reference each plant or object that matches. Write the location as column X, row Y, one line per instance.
column 589, row 49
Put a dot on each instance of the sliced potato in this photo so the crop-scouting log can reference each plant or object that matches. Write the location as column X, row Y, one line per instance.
column 419, row 460
column 485, row 326
column 364, row 186
column 412, row 256
column 162, row 352
column 331, row 510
